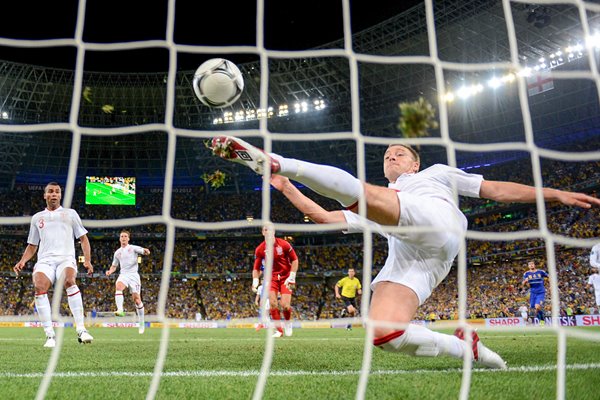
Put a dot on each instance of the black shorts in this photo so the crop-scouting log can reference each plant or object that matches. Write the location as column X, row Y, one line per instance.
column 349, row 301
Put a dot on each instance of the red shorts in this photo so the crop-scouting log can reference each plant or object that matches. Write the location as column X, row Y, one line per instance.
column 277, row 286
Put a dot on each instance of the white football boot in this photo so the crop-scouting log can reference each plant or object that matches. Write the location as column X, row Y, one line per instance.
column 50, row 342
column 482, row 354
column 84, row 337
column 277, row 333
column 235, row 149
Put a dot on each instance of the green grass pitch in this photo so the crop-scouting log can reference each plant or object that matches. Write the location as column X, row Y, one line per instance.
column 312, row 364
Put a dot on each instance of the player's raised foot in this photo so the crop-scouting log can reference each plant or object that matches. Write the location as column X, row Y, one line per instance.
column 235, row 149
column 287, row 329
column 259, row 327
column 482, row 354
column 278, row 333
column 84, row 337
column 50, row 342
column 119, row 313
column 141, row 329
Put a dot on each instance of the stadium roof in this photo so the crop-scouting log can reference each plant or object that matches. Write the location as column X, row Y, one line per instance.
column 471, row 32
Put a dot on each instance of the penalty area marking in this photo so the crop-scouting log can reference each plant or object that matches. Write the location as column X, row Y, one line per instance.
column 254, row 373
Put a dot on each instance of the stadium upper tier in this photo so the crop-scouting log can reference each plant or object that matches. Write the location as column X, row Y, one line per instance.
column 468, row 32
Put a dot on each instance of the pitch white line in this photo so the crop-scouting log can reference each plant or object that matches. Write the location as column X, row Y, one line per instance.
column 254, row 373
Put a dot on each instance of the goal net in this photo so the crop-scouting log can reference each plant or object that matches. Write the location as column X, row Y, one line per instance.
column 516, row 90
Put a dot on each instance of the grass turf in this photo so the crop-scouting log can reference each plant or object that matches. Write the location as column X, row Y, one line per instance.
column 312, row 364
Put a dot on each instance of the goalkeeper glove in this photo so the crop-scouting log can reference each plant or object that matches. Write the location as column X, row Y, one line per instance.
column 290, row 282
column 255, row 285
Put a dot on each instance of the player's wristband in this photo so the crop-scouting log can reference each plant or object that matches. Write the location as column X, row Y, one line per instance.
column 255, row 282
column 292, row 276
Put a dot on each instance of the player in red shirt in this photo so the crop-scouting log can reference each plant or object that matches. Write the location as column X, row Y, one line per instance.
column 283, row 281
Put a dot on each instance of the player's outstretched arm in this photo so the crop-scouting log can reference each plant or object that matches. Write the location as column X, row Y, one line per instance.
column 510, row 192
column 305, row 205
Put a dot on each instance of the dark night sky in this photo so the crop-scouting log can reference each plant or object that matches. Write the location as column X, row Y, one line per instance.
column 288, row 26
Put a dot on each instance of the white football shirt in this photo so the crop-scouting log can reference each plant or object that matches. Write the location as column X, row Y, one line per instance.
column 126, row 258
column 54, row 232
column 436, row 181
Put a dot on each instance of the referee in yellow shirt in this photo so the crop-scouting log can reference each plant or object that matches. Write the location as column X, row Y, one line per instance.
column 350, row 286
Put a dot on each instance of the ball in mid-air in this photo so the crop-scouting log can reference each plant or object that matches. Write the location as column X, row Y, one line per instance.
column 218, row 83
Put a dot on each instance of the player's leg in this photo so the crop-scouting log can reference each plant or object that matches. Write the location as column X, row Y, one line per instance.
column 286, row 307
column 139, row 309
column 260, row 325
column 275, row 314
column 68, row 271
column 328, row 181
column 351, row 313
column 43, row 277
column 532, row 308
column 136, row 289
column 539, row 308
column 397, row 303
column 119, row 298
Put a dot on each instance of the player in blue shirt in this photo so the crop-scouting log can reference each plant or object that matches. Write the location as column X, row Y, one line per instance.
column 537, row 290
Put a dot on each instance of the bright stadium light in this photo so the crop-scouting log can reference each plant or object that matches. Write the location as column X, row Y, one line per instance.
column 494, row 83
column 548, row 62
column 449, row 97
column 525, row 72
column 593, row 41
column 283, row 110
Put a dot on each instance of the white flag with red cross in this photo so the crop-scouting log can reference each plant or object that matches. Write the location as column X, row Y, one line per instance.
column 539, row 82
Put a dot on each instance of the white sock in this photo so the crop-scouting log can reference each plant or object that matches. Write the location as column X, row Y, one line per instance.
column 420, row 341
column 140, row 313
column 119, row 300
column 76, row 306
column 42, row 305
column 328, row 181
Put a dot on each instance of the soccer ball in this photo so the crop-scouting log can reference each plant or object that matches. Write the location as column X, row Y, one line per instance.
column 218, row 83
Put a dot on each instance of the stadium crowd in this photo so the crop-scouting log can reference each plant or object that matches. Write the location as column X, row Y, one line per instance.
column 210, row 272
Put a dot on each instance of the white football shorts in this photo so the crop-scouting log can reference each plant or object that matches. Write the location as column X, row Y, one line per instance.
column 132, row 281
column 421, row 260
column 53, row 267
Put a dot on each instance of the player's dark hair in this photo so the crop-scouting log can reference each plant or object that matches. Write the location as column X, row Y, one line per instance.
column 127, row 232
column 51, row 184
column 412, row 151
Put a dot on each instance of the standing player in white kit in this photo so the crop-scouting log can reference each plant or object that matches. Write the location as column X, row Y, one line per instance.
column 127, row 257
column 53, row 231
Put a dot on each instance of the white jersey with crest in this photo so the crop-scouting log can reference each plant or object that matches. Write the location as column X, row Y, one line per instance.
column 420, row 260
column 126, row 257
column 55, row 231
